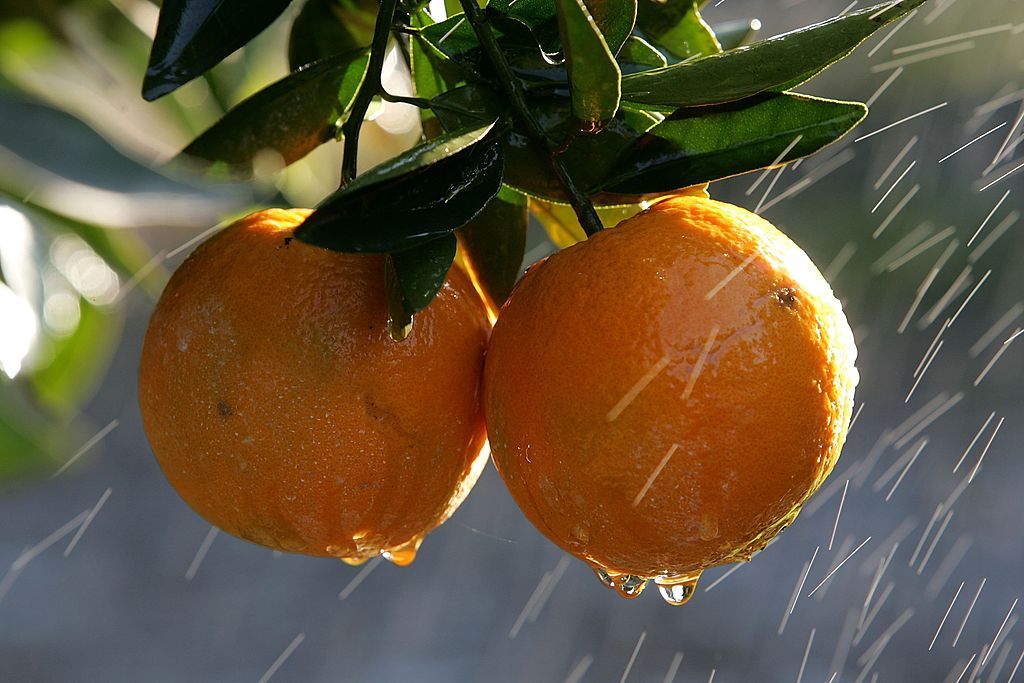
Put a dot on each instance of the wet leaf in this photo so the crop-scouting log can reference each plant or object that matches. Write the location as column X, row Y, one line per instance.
column 324, row 28
column 420, row 271
column 615, row 20
column 676, row 27
column 637, row 54
column 467, row 106
column 701, row 144
column 590, row 159
column 194, row 35
column 732, row 34
column 420, row 195
column 423, row 62
column 290, row 117
column 495, row 241
column 777, row 63
column 593, row 74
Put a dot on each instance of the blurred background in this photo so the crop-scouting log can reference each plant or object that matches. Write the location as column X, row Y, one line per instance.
column 106, row 575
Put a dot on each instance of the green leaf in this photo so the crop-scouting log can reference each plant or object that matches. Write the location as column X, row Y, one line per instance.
column 420, row 195
column 589, row 159
column 615, row 20
column 421, row 270
column 290, row 117
column 193, row 35
column 468, row 106
column 778, row 63
column 427, row 77
column 677, row 27
column 522, row 45
column 399, row 323
column 495, row 241
column 732, row 34
column 702, row 144
column 637, row 55
column 325, row 28
column 593, row 74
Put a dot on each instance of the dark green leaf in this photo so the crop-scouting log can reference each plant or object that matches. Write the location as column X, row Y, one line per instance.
column 468, row 106
column 701, row 144
column 732, row 34
column 325, row 28
column 637, row 54
column 193, row 35
column 427, row 192
column 590, row 159
column 421, row 270
column 495, row 241
column 538, row 15
column 455, row 39
column 677, row 27
column 290, row 117
column 593, row 74
column 778, row 63
column 399, row 314
column 615, row 20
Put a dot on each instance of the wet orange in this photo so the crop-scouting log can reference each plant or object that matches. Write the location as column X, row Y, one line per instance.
column 663, row 397
column 283, row 413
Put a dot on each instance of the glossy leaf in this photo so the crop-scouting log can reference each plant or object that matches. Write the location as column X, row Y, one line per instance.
column 777, row 63
column 615, row 20
column 290, row 117
column 677, row 27
column 455, row 39
column 426, row 65
column 399, row 323
column 468, row 106
column 732, row 34
column 193, row 35
column 420, row 271
column 701, row 144
column 593, row 74
column 589, row 159
column 637, row 54
column 423, row 194
column 540, row 16
column 495, row 241
column 325, row 28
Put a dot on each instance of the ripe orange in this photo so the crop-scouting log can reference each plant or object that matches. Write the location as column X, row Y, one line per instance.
column 281, row 410
column 664, row 397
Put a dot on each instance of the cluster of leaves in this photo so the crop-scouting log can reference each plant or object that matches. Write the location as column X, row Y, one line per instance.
column 523, row 101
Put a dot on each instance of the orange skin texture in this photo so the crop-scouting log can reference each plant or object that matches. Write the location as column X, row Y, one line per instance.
column 760, row 430
column 283, row 413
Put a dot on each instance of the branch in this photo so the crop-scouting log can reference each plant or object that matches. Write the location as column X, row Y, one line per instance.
column 368, row 89
column 508, row 81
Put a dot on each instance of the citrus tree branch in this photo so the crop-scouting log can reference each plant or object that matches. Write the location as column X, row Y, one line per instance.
column 512, row 87
column 368, row 89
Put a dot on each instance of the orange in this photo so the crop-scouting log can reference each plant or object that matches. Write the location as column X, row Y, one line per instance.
column 283, row 413
column 664, row 396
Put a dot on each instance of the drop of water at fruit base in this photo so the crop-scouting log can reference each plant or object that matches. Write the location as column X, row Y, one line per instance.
column 675, row 590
